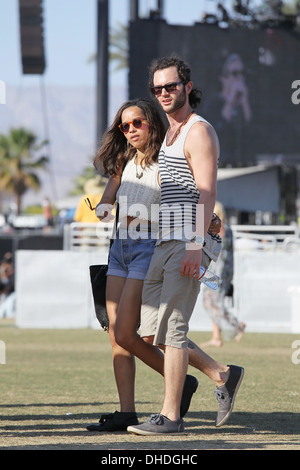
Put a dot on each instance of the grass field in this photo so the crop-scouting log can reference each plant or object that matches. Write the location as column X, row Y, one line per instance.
column 55, row 382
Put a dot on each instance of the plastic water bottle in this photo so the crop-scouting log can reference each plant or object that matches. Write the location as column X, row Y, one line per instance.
column 208, row 278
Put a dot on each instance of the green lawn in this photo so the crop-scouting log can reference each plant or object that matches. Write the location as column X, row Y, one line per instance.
column 55, row 382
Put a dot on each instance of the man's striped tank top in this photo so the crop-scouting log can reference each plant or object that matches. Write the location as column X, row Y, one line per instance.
column 180, row 195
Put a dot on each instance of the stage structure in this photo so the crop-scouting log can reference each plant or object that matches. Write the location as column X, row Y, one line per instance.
column 248, row 79
column 32, row 36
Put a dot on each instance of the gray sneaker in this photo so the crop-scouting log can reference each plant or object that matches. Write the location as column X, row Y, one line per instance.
column 157, row 424
column 226, row 394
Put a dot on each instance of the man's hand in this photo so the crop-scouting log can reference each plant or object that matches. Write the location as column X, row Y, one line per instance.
column 215, row 225
column 191, row 261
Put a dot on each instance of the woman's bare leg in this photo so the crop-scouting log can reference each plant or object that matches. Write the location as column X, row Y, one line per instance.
column 126, row 328
column 123, row 361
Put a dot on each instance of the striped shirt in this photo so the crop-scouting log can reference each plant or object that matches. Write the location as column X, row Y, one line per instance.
column 180, row 195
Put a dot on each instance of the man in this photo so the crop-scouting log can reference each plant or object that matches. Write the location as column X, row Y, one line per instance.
column 188, row 170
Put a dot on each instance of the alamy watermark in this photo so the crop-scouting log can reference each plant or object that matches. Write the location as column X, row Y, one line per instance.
column 2, row 92
column 296, row 353
column 296, row 94
column 172, row 218
column 2, row 352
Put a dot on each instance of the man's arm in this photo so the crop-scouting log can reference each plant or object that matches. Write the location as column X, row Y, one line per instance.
column 202, row 153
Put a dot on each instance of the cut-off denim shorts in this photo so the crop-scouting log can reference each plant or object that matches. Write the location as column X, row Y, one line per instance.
column 130, row 257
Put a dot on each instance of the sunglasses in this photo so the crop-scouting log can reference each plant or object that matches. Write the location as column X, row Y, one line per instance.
column 89, row 204
column 137, row 123
column 170, row 87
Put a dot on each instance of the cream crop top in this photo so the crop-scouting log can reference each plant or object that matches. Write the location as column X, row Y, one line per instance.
column 139, row 192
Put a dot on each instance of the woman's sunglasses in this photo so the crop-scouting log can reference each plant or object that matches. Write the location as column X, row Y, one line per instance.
column 89, row 204
column 170, row 88
column 137, row 123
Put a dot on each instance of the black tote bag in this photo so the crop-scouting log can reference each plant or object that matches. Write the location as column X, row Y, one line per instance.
column 98, row 273
column 98, row 281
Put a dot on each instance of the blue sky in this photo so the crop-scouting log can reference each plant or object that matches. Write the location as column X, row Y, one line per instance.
column 70, row 36
column 70, row 39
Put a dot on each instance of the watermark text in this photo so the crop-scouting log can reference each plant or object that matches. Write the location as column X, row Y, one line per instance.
column 180, row 221
column 2, row 352
column 296, row 353
column 2, row 92
column 296, row 94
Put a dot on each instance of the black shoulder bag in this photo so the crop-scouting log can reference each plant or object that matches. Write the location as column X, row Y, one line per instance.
column 98, row 274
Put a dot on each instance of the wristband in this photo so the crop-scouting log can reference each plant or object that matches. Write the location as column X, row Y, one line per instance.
column 103, row 212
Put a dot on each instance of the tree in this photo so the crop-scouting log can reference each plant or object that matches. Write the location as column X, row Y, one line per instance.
column 118, row 47
column 118, row 52
column 88, row 173
column 19, row 163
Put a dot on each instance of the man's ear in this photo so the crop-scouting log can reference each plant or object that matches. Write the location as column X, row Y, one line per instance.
column 189, row 87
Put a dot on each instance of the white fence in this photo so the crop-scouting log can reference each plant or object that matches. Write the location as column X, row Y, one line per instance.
column 90, row 237
column 266, row 236
column 53, row 287
column 87, row 237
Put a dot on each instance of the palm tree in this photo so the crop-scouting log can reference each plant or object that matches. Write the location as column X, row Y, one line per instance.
column 118, row 47
column 19, row 163
column 87, row 174
column 118, row 52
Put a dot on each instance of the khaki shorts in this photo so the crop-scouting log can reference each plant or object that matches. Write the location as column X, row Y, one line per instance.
column 168, row 298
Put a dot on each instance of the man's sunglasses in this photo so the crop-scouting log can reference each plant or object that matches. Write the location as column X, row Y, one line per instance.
column 137, row 123
column 170, row 87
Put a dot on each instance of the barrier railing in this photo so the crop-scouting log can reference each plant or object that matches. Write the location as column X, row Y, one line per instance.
column 87, row 236
column 267, row 236
column 92, row 236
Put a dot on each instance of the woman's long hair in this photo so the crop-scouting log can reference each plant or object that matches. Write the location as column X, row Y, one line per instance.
column 115, row 149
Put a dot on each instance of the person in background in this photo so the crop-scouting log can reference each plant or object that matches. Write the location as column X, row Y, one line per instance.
column 47, row 211
column 93, row 189
column 7, row 286
column 216, row 302
column 235, row 90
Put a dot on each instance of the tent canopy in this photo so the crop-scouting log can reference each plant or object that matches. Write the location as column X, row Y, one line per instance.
column 250, row 189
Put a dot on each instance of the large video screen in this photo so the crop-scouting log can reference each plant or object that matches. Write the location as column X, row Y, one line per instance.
column 250, row 81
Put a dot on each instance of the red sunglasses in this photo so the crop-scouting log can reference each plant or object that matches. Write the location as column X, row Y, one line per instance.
column 137, row 123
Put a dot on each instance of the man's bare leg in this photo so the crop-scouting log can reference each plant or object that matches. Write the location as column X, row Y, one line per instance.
column 217, row 372
column 175, row 369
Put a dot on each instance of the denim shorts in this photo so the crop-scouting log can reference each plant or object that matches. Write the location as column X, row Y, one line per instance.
column 130, row 257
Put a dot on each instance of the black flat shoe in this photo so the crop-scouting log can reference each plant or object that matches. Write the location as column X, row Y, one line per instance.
column 190, row 386
column 114, row 422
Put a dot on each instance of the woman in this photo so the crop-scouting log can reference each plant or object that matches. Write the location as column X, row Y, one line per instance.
column 129, row 154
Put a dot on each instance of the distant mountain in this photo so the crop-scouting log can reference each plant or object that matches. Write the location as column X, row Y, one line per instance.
column 65, row 115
